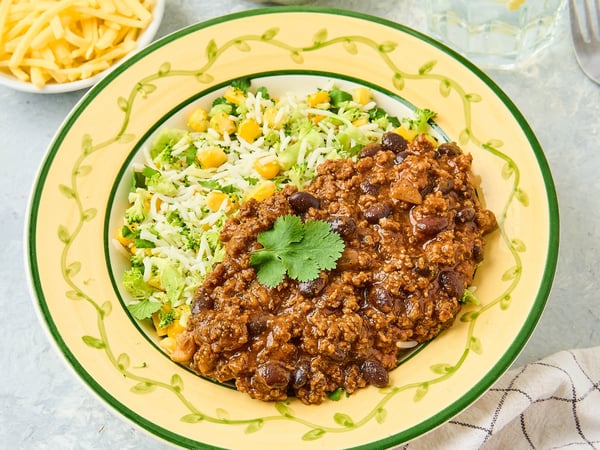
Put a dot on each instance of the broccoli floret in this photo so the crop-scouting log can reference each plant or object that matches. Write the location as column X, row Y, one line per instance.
column 166, row 139
column 420, row 123
column 133, row 281
column 159, row 184
column 243, row 84
column 136, row 213
column 137, row 262
column 166, row 318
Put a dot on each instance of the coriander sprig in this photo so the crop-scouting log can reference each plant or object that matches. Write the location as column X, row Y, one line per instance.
column 300, row 250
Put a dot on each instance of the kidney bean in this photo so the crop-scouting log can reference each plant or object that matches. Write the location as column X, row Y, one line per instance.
column 431, row 225
column 344, row 226
column 274, row 375
column 445, row 185
column 374, row 373
column 300, row 375
column 448, row 148
column 394, row 142
column 339, row 354
column 452, row 282
column 477, row 253
column 427, row 189
column 369, row 188
column 400, row 157
column 378, row 211
column 465, row 215
column 381, row 299
column 370, row 149
column 258, row 323
column 302, row 201
column 202, row 303
column 312, row 288
column 423, row 271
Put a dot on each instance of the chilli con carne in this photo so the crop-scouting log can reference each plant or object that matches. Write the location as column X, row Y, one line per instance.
column 413, row 229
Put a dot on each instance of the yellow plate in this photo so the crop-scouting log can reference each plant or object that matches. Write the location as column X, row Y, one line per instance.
column 77, row 195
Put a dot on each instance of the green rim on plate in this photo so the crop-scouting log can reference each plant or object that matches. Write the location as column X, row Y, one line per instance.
column 69, row 224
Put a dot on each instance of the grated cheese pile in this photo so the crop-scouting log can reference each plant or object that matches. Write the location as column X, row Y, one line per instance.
column 58, row 41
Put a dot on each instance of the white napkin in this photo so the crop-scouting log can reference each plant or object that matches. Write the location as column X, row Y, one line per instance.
column 550, row 404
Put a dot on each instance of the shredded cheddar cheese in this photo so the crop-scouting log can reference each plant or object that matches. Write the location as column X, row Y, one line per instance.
column 58, row 41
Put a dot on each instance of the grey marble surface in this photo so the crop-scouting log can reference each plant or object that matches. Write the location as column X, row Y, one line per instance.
column 42, row 403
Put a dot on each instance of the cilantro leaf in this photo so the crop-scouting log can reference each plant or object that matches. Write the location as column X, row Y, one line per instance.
column 286, row 230
column 321, row 244
column 144, row 309
column 302, row 250
column 272, row 271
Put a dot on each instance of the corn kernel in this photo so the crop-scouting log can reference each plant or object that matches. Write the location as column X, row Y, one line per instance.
column 271, row 119
column 360, row 122
column 362, row 95
column 212, row 157
column 175, row 328
column 315, row 118
column 222, row 123
column 215, row 199
column 267, row 168
column 234, row 95
column 198, row 120
column 318, row 98
column 262, row 191
column 406, row 133
column 157, row 203
column 125, row 242
column 249, row 130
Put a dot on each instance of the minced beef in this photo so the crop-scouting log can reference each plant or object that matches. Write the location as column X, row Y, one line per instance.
column 413, row 230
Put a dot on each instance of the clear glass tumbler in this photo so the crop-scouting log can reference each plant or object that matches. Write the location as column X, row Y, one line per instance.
column 500, row 34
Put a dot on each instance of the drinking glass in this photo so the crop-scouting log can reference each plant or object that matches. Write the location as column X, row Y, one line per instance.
column 500, row 34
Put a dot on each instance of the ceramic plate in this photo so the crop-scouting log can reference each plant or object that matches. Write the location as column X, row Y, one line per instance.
column 77, row 196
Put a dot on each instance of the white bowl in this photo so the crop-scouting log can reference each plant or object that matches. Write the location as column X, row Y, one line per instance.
column 144, row 39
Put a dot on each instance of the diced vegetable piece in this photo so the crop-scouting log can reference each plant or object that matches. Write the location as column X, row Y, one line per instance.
column 362, row 95
column 124, row 241
column 234, row 95
column 267, row 168
column 198, row 120
column 318, row 98
column 315, row 118
column 175, row 328
column 406, row 133
column 273, row 118
column 262, row 190
column 222, row 123
column 249, row 130
column 211, row 157
column 360, row 122
column 215, row 199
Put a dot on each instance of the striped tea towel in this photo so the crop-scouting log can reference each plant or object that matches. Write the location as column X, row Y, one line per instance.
column 553, row 403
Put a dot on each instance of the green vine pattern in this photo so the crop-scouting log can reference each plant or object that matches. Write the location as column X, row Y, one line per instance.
column 283, row 410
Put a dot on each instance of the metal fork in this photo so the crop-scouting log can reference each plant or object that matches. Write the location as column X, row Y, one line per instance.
column 586, row 39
